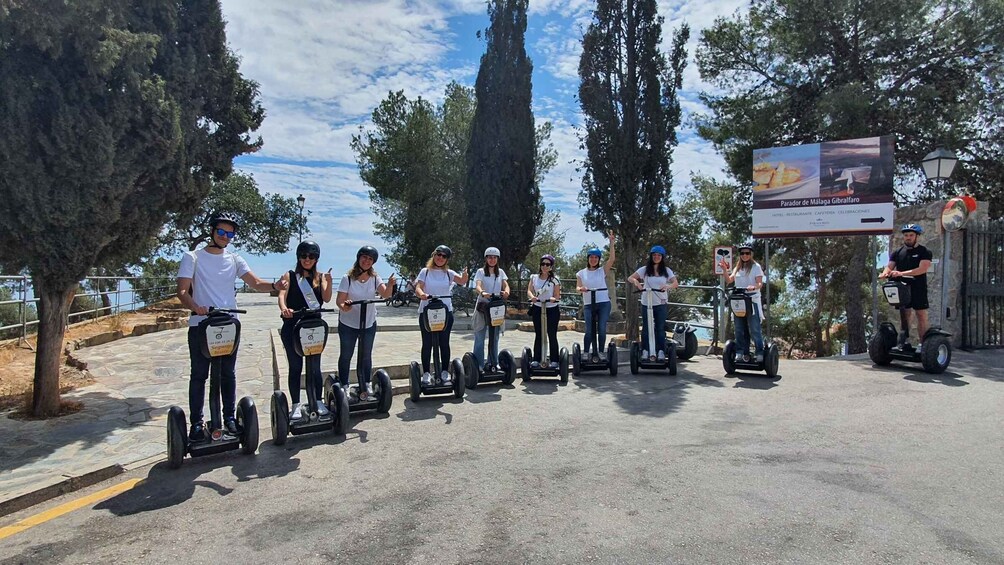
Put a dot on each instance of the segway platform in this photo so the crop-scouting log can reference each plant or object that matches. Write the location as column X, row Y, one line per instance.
column 531, row 372
column 771, row 359
column 934, row 355
column 639, row 363
column 456, row 388
column 380, row 400
column 594, row 362
column 504, row 373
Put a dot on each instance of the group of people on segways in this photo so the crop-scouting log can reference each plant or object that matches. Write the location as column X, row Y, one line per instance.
column 906, row 290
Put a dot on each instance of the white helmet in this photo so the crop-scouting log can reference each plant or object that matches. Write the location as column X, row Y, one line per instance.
column 493, row 251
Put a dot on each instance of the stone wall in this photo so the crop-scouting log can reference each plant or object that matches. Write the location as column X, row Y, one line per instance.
column 945, row 313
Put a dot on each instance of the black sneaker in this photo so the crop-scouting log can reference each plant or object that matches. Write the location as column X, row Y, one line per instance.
column 231, row 426
column 198, row 432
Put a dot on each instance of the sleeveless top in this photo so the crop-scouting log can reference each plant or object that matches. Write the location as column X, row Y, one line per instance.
column 294, row 296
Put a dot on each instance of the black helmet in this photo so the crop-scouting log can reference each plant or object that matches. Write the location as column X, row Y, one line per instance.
column 308, row 248
column 444, row 250
column 219, row 217
column 369, row 251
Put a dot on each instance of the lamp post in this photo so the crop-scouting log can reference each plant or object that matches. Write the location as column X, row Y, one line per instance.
column 300, row 200
column 938, row 166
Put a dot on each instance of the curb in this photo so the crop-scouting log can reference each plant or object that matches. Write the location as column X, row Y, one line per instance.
column 59, row 488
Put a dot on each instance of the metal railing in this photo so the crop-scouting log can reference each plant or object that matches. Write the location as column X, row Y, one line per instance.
column 109, row 296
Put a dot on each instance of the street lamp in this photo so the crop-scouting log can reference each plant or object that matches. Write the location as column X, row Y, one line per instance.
column 939, row 164
column 300, row 200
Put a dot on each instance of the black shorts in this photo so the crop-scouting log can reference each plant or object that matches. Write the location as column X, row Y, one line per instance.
column 918, row 299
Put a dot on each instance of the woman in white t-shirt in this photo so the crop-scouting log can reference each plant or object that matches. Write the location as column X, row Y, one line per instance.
column 436, row 279
column 360, row 283
column 545, row 288
column 489, row 280
column 749, row 275
column 657, row 276
column 594, row 276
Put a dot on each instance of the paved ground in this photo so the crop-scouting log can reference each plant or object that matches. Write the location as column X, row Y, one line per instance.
column 834, row 462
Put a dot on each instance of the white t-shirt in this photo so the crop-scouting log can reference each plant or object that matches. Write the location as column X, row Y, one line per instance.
column 437, row 282
column 594, row 279
column 213, row 278
column 491, row 283
column 357, row 290
column 543, row 289
column 658, row 298
column 744, row 280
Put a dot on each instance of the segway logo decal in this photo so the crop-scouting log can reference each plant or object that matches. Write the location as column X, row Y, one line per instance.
column 436, row 318
column 497, row 314
column 312, row 340
column 739, row 308
column 892, row 295
column 220, row 340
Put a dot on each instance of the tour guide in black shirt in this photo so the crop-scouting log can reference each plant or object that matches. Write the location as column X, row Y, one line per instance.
column 912, row 260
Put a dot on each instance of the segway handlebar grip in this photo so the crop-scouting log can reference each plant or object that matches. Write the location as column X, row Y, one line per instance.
column 225, row 310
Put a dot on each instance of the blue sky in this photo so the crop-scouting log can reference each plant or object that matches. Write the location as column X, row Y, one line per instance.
column 323, row 66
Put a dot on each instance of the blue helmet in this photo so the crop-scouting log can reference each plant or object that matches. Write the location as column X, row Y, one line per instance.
column 657, row 249
column 594, row 251
column 915, row 228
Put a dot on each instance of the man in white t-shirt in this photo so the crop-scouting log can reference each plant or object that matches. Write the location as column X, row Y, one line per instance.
column 206, row 278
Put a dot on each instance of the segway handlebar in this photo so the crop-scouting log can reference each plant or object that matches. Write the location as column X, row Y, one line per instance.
column 539, row 301
column 225, row 310
column 366, row 301
column 437, row 297
column 313, row 310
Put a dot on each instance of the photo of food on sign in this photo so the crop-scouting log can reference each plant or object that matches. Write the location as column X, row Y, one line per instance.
column 786, row 172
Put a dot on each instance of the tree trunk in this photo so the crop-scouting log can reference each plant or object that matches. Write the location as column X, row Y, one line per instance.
column 53, row 306
column 856, row 342
column 631, row 306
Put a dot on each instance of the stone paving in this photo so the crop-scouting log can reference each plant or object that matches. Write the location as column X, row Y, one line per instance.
column 139, row 378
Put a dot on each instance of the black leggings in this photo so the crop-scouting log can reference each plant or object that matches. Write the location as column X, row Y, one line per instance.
column 429, row 339
column 552, row 333
column 295, row 363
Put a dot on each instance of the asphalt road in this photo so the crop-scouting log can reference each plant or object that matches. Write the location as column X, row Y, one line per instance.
column 834, row 462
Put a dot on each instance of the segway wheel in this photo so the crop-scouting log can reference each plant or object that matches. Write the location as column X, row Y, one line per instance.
column 279, row 418
column 729, row 357
column 508, row 365
column 635, row 354
column 671, row 358
column 176, row 440
column 612, row 359
column 339, row 407
column 563, row 365
column 877, row 350
column 576, row 359
column 525, row 364
column 689, row 346
column 385, row 391
column 459, row 379
column 471, row 370
column 415, row 381
column 936, row 354
column 247, row 420
column 772, row 360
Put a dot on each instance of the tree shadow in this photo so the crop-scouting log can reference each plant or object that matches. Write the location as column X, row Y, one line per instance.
column 485, row 394
column 428, row 408
column 946, row 378
column 28, row 441
column 651, row 395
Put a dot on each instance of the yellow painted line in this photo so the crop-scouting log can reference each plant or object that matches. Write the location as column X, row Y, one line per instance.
column 66, row 508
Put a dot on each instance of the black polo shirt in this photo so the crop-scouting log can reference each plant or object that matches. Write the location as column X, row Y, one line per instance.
column 908, row 258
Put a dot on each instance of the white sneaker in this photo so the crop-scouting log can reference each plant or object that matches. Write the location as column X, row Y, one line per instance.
column 554, row 364
column 661, row 356
column 347, row 391
column 322, row 410
column 368, row 393
column 427, row 379
column 644, row 354
column 445, row 376
column 535, row 364
column 297, row 411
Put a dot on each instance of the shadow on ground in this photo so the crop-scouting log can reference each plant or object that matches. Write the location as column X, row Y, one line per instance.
column 653, row 395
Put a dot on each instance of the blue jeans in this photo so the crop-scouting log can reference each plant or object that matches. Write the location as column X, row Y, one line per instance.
column 742, row 339
column 347, row 338
column 604, row 315
column 479, row 347
column 200, row 373
column 659, row 313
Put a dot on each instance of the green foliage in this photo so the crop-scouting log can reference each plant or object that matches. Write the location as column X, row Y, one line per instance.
column 157, row 280
column 501, row 191
column 112, row 116
column 548, row 239
column 268, row 221
column 10, row 314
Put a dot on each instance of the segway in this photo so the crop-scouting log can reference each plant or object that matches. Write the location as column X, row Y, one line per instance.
column 383, row 391
column 594, row 362
column 935, row 352
column 685, row 337
column 741, row 304
column 219, row 336
column 652, row 362
column 545, row 369
column 311, row 336
column 435, row 319
column 505, row 371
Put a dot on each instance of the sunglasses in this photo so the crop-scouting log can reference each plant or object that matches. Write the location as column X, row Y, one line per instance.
column 222, row 232
column 546, row 264
column 745, row 252
column 443, row 255
column 310, row 256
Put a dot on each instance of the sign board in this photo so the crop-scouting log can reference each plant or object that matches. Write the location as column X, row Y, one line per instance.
column 723, row 253
column 824, row 189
